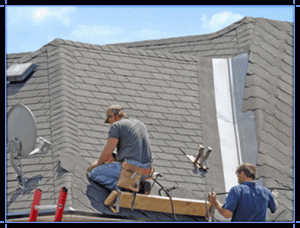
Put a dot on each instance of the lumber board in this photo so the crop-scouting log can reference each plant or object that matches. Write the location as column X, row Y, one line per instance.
column 160, row 203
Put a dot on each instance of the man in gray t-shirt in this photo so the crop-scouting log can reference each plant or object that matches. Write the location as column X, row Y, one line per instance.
column 130, row 137
column 133, row 140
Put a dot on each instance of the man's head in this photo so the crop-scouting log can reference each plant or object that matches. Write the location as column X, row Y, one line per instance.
column 246, row 172
column 114, row 113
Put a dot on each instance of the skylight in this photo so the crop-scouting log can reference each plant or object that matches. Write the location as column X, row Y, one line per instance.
column 20, row 72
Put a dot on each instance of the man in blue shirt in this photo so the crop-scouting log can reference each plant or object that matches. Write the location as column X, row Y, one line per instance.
column 247, row 201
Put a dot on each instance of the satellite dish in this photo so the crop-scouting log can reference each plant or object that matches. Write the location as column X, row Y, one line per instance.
column 21, row 126
column 22, row 138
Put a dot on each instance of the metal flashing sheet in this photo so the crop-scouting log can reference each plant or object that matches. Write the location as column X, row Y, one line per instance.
column 236, row 128
column 225, row 120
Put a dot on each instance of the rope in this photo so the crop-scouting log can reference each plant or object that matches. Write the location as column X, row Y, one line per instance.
column 281, row 189
column 170, row 201
column 166, row 191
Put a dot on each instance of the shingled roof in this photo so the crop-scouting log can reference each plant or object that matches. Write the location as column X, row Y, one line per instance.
column 172, row 93
column 268, row 89
column 69, row 93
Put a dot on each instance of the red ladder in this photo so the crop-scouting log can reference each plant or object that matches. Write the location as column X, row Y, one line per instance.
column 59, row 207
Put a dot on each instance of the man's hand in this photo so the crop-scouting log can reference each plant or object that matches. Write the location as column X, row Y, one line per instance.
column 212, row 198
column 110, row 160
column 93, row 165
column 275, row 193
column 106, row 155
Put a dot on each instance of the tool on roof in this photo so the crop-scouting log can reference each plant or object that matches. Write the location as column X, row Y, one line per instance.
column 202, row 164
column 35, row 207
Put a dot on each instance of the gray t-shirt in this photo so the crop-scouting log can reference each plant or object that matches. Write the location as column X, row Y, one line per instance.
column 133, row 140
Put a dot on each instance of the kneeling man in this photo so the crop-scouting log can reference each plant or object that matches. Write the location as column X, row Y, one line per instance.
column 130, row 137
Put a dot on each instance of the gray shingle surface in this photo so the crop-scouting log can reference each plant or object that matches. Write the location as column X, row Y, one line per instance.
column 35, row 94
column 80, row 83
column 142, row 101
column 171, row 93
column 268, row 90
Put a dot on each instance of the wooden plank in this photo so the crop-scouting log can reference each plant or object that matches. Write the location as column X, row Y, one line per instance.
column 160, row 204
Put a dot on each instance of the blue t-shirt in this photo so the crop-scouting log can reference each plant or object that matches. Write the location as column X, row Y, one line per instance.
column 249, row 202
column 133, row 140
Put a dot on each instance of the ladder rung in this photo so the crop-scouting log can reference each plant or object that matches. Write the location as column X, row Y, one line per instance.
column 45, row 207
column 35, row 207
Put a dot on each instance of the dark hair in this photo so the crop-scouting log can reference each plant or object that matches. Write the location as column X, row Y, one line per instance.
column 248, row 169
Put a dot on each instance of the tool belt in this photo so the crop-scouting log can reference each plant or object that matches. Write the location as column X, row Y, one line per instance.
column 130, row 176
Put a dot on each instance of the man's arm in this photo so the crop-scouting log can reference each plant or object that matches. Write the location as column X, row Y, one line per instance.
column 273, row 202
column 212, row 198
column 224, row 212
column 108, row 150
column 106, row 153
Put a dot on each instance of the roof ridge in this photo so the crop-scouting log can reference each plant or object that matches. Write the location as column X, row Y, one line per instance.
column 119, row 49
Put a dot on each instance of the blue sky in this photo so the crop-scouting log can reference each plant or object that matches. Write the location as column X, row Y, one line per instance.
column 29, row 28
